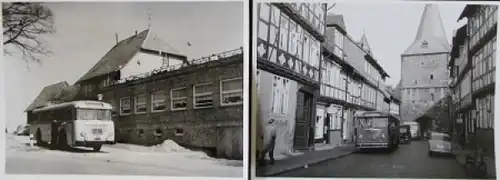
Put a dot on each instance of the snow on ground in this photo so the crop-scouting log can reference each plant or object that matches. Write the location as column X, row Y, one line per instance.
column 167, row 155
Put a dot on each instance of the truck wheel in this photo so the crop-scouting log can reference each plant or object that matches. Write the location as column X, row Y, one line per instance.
column 97, row 148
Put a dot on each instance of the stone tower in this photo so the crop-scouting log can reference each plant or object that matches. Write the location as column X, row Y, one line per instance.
column 424, row 72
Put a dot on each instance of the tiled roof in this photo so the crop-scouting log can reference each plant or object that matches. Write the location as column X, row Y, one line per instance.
column 48, row 94
column 431, row 37
column 123, row 51
column 336, row 19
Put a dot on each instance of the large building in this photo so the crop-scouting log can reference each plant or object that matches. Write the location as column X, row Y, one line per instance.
column 351, row 81
column 472, row 66
column 157, row 94
column 289, row 37
column 424, row 73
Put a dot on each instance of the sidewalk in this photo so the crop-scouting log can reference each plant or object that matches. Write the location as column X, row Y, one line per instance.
column 307, row 158
column 460, row 154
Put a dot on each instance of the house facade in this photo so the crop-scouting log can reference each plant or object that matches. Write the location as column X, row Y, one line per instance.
column 472, row 67
column 289, row 37
column 351, row 81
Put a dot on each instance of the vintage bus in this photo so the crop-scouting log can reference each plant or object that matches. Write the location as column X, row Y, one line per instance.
column 414, row 129
column 377, row 129
column 79, row 124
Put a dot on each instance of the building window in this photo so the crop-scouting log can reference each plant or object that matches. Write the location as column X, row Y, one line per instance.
column 178, row 98
column 432, row 77
column 231, row 91
column 125, row 108
column 280, row 95
column 140, row 104
column 179, row 132
column 202, row 95
column 158, row 101
column 432, row 96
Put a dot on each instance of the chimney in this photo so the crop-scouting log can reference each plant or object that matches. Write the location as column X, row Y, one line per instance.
column 116, row 36
column 136, row 32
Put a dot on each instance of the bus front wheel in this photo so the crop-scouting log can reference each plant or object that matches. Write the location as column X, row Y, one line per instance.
column 97, row 148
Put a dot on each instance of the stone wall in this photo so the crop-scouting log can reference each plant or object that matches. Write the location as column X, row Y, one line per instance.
column 218, row 128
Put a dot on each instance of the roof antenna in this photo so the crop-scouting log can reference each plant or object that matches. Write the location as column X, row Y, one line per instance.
column 149, row 18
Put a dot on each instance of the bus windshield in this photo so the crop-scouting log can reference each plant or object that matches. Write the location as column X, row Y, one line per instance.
column 374, row 122
column 93, row 114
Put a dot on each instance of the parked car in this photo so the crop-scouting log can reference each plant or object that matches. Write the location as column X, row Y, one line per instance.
column 404, row 134
column 22, row 130
column 439, row 143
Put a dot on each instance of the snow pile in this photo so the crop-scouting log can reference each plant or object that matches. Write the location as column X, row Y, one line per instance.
column 19, row 143
column 170, row 146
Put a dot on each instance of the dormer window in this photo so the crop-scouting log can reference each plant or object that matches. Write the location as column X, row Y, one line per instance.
column 424, row 44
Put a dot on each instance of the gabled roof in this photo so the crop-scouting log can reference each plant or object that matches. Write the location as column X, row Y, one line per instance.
column 116, row 58
column 49, row 93
column 364, row 44
column 336, row 20
column 431, row 37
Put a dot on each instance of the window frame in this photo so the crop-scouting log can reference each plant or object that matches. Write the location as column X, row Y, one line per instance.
column 172, row 99
column 153, row 102
column 209, row 94
column 222, row 92
column 136, row 97
column 129, row 104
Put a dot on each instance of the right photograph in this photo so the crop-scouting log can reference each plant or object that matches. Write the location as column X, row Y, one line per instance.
column 361, row 90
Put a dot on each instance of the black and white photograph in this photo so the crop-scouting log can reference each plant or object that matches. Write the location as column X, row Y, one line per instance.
column 124, row 88
column 374, row 90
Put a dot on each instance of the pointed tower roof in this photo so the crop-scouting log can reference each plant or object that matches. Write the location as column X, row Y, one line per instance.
column 431, row 37
column 364, row 43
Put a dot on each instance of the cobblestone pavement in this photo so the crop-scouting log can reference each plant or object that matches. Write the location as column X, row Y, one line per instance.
column 408, row 161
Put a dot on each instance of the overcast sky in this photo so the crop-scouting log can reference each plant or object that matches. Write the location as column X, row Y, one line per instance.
column 391, row 28
column 86, row 31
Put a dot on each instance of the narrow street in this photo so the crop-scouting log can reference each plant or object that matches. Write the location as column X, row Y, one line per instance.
column 409, row 161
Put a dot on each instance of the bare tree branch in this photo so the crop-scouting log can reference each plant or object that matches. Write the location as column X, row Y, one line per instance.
column 24, row 25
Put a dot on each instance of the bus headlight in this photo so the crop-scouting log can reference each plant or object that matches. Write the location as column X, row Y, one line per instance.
column 383, row 136
column 110, row 135
column 83, row 134
column 360, row 136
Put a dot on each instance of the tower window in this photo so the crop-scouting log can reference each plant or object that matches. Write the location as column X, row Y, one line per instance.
column 416, row 82
column 432, row 96
column 424, row 44
column 432, row 77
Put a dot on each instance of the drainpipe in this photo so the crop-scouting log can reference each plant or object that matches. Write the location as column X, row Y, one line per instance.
column 344, row 108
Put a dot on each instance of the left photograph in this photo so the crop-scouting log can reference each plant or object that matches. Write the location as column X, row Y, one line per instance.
column 124, row 88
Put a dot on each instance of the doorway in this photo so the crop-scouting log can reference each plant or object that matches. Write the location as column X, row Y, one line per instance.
column 304, row 130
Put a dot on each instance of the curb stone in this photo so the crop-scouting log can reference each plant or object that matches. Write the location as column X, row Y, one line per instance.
column 309, row 164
